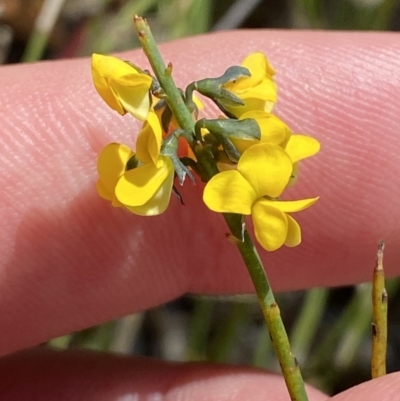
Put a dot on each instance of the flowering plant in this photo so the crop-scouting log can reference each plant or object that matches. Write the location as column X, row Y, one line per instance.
column 247, row 158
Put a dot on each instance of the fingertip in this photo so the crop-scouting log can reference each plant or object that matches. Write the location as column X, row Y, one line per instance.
column 82, row 375
column 383, row 388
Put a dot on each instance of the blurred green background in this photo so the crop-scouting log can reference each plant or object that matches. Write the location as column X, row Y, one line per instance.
column 35, row 29
column 329, row 328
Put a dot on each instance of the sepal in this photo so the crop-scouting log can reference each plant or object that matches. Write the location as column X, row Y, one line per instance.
column 213, row 87
column 170, row 149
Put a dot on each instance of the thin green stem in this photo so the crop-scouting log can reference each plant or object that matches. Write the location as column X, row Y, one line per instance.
column 163, row 74
column 379, row 325
column 280, row 341
column 289, row 365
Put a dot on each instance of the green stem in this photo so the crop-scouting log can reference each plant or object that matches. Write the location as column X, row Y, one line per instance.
column 163, row 74
column 379, row 325
column 280, row 341
column 289, row 365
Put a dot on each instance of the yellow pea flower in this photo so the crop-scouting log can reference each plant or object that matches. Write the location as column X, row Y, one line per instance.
column 149, row 140
column 259, row 91
column 301, row 147
column 123, row 87
column 298, row 148
column 144, row 190
column 262, row 174
column 273, row 130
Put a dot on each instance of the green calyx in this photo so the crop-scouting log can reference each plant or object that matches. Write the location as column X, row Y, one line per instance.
column 213, row 88
column 224, row 129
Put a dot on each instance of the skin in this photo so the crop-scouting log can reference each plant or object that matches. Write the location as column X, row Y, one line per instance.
column 68, row 260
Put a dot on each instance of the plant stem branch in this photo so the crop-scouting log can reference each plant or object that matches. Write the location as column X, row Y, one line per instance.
column 379, row 325
column 289, row 365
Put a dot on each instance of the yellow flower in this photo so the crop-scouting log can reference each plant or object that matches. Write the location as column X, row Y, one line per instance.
column 262, row 174
column 148, row 143
column 146, row 188
column 259, row 91
column 300, row 147
column 123, row 87
column 273, row 130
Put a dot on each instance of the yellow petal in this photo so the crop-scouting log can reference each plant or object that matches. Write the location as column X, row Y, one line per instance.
column 251, row 104
column 137, row 186
column 134, row 96
column 273, row 129
column 198, row 102
column 259, row 91
column 159, row 202
column 104, row 67
column 259, row 65
column 121, row 86
column 259, row 68
column 148, row 143
column 291, row 206
column 295, row 175
column 242, row 144
column 267, row 168
column 109, row 66
column 301, row 146
column 270, row 225
column 265, row 90
column 111, row 166
column 262, row 97
column 293, row 237
column 103, row 191
column 229, row 192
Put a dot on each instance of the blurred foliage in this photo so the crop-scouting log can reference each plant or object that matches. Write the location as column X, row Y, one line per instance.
column 330, row 333
column 87, row 26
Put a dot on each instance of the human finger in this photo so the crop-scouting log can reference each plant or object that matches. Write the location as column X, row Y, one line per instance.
column 69, row 260
column 74, row 375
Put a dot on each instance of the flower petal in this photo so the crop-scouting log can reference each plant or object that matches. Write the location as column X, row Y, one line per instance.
column 121, row 85
column 259, row 68
column 159, row 202
column 267, row 168
column 291, row 206
column 104, row 68
column 229, row 192
column 261, row 97
column 259, row 91
column 111, row 166
column 148, row 143
column 265, row 90
column 301, row 146
column 134, row 95
column 270, row 225
column 259, row 65
column 110, row 66
column 293, row 237
column 273, row 129
column 137, row 186
column 103, row 191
